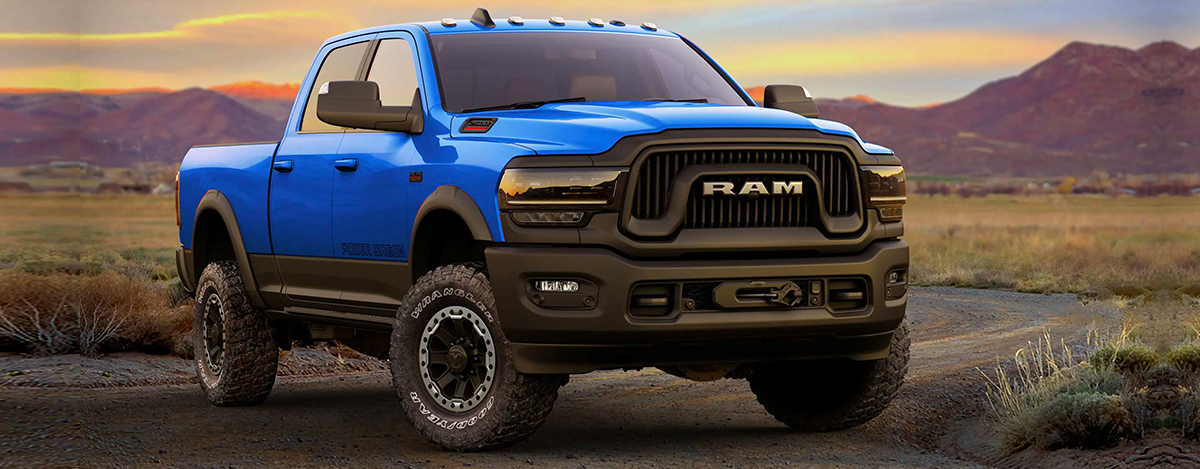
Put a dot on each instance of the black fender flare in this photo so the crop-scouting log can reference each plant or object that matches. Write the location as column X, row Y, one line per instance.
column 215, row 201
column 456, row 200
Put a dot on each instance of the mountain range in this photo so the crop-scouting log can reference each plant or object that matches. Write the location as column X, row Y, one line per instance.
column 1086, row 108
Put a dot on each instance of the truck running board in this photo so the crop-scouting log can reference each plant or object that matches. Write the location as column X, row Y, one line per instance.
column 324, row 313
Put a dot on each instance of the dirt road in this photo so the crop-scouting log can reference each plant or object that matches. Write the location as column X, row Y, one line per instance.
column 601, row 420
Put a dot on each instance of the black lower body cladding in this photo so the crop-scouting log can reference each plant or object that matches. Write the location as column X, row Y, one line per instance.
column 603, row 333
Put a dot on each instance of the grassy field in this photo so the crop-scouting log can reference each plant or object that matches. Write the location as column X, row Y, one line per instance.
column 88, row 273
column 1038, row 244
column 1056, row 243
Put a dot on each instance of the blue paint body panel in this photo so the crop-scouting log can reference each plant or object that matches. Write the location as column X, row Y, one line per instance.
column 315, row 209
column 242, row 173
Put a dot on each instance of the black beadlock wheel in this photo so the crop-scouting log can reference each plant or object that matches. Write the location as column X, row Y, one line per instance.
column 236, row 355
column 452, row 366
column 829, row 395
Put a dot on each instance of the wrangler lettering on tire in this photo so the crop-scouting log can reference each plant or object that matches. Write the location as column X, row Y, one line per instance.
column 452, row 366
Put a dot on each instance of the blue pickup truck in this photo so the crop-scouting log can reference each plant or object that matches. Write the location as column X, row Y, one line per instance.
column 495, row 205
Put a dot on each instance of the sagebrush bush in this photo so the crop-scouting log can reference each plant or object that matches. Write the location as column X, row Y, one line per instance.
column 1047, row 399
column 1186, row 358
column 64, row 313
column 1133, row 358
column 1087, row 420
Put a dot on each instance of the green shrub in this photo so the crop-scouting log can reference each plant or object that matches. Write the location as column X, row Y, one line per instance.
column 1076, row 420
column 1134, row 358
column 1186, row 358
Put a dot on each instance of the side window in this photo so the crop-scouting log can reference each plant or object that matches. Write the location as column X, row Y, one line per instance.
column 341, row 64
column 395, row 72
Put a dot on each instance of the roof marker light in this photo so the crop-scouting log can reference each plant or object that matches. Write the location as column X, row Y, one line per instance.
column 557, row 20
column 449, row 22
column 517, row 20
column 650, row 26
column 482, row 18
column 596, row 22
column 617, row 23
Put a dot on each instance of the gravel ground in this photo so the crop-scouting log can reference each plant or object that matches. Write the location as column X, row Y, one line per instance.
column 602, row 420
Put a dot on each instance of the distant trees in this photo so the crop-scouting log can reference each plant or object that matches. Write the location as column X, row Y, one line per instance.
column 1099, row 183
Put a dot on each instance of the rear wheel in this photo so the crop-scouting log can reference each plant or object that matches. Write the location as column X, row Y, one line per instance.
column 828, row 395
column 236, row 356
column 452, row 365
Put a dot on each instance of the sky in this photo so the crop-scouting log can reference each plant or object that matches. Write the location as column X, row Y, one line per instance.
column 906, row 52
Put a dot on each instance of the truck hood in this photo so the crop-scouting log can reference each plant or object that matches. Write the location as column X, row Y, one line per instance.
column 593, row 127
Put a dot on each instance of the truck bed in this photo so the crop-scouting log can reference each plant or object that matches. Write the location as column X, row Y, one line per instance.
column 242, row 173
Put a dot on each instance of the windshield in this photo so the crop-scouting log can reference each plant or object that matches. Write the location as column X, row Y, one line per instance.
column 501, row 69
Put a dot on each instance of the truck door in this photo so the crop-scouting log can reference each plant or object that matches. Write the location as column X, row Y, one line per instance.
column 370, row 218
column 302, row 183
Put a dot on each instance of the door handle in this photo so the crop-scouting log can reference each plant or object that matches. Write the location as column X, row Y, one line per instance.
column 283, row 166
column 346, row 164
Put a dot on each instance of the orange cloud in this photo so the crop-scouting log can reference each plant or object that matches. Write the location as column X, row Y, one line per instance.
column 65, row 77
column 291, row 23
column 951, row 50
column 258, row 89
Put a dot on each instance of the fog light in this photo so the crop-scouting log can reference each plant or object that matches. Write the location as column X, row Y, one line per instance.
column 556, row 286
column 897, row 284
column 548, row 218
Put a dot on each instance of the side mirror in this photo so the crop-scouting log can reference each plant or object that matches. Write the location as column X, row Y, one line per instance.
column 790, row 98
column 356, row 104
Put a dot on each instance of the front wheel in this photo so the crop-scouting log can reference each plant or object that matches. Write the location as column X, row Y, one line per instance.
column 828, row 395
column 452, row 365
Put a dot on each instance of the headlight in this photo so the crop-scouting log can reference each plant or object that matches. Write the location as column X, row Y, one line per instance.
column 559, row 196
column 885, row 190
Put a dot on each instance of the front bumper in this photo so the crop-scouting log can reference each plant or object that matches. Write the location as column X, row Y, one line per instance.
column 606, row 336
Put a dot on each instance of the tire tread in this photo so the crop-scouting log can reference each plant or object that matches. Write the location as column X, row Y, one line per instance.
column 790, row 392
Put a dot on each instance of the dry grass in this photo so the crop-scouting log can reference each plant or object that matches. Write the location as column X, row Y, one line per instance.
column 1112, row 387
column 89, row 314
column 1078, row 244
column 88, row 274
column 1047, row 398
column 114, row 221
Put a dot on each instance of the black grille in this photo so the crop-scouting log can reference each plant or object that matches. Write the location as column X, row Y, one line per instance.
column 780, row 211
column 658, row 171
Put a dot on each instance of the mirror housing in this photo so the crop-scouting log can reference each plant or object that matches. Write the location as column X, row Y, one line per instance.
column 790, row 98
column 356, row 104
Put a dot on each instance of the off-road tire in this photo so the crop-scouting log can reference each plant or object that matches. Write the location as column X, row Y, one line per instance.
column 515, row 405
column 829, row 395
column 250, row 358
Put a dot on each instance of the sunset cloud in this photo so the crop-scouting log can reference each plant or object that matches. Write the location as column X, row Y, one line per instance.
column 64, row 77
column 941, row 50
column 279, row 25
column 193, row 52
column 900, row 51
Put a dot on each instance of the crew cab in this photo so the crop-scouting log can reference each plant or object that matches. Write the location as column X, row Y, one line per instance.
column 495, row 205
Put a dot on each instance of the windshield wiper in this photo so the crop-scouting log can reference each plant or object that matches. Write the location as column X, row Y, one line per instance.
column 526, row 104
column 667, row 100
